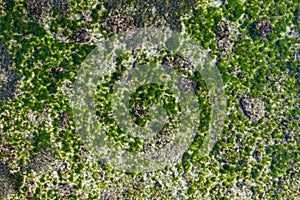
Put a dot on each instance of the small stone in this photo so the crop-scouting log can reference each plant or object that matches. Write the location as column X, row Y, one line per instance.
column 138, row 111
column 261, row 195
column 59, row 70
column 63, row 122
column 186, row 84
column 41, row 8
column 8, row 77
column 148, row 147
column 8, row 182
column 225, row 44
column 168, row 61
column 257, row 155
column 60, row 37
column 64, row 190
column 29, row 194
column 158, row 185
column 87, row 15
column 284, row 122
column 223, row 29
column 253, row 108
column 183, row 65
column 82, row 36
column 42, row 161
column 117, row 22
column 264, row 26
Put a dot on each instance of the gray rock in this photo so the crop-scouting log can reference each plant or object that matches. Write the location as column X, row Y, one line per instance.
column 263, row 27
column 138, row 111
column 82, row 36
column 9, row 184
column 186, row 84
column 117, row 21
column 8, row 77
column 253, row 108
column 40, row 8
column 225, row 44
column 149, row 13
column 223, row 29
column 182, row 64
column 64, row 190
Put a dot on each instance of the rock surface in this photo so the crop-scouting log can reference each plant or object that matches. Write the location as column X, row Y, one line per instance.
column 264, row 26
column 8, row 77
column 8, row 183
column 253, row 108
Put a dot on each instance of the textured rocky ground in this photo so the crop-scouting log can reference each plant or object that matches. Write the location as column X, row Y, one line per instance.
column 255, row 47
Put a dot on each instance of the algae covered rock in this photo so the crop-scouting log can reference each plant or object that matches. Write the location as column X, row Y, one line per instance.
column 9, row 184
column 223, row 28
column 40, row 8
column 253, row 108
column 82, row 36
column 117, row 21
column 264, row 26
column 128, row 14
column 8, row 77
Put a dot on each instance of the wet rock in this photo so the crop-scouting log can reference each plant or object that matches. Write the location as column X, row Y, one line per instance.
column 253, row 108
column 183, row 64
column 165, row 135
column 166, row 14
column 5, row 57
column 8, row 85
